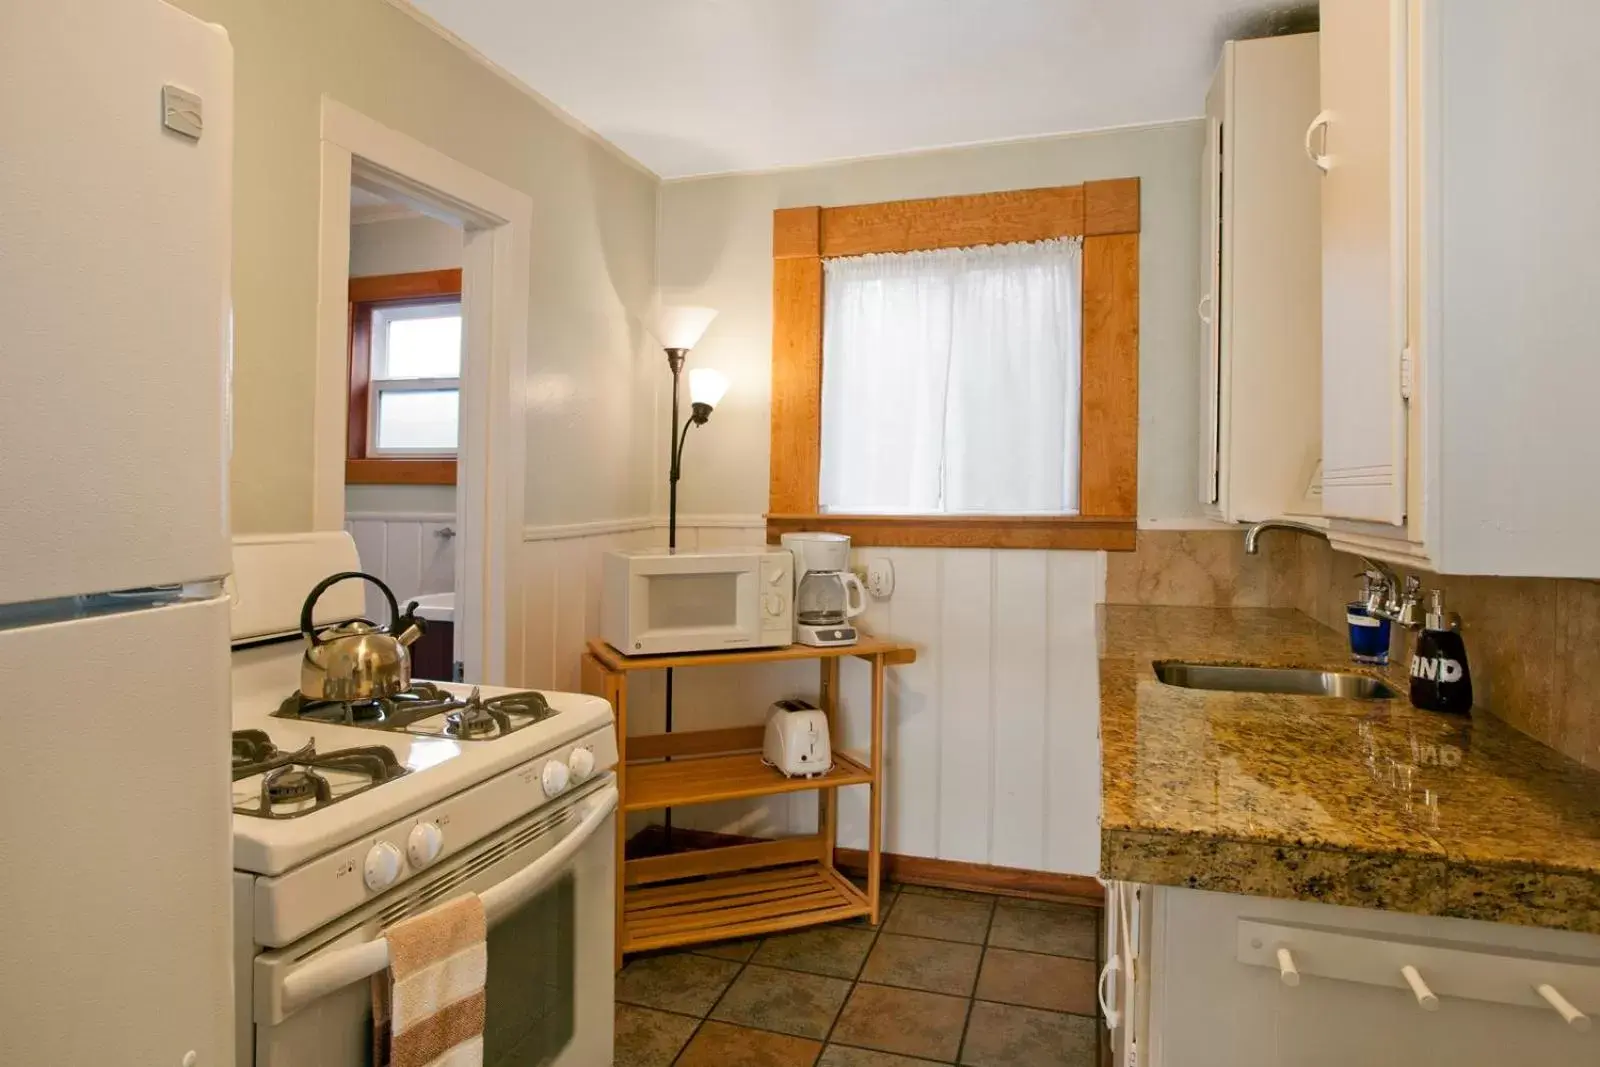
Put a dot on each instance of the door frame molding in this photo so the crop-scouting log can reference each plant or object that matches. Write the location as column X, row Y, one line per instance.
column 497, row 221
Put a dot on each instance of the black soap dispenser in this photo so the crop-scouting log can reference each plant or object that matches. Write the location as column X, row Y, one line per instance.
column 1440, row 678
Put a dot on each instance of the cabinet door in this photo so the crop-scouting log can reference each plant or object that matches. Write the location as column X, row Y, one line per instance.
column 1210, row 312
column 1363, row 62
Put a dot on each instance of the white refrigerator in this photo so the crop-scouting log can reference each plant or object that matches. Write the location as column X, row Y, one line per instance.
column 115, row 826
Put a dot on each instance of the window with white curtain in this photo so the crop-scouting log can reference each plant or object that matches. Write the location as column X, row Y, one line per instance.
column 950, row 381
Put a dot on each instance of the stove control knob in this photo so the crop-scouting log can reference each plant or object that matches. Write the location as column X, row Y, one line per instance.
column 581, row 764
column 424, row 844
column 382, row 866
column 554, row 778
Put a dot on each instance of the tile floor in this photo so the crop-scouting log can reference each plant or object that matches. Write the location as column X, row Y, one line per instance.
column 947, row 978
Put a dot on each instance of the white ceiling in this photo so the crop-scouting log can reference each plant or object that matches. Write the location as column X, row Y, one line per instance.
column 692, row 87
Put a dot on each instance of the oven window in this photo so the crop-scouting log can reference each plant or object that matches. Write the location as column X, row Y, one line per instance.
column 530, row 1008
column 693, row 601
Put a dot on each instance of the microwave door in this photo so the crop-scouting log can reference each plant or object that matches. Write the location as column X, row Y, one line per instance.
column 702, row 608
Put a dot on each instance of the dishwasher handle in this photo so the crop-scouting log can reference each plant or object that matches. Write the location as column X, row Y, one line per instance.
column 287, row 991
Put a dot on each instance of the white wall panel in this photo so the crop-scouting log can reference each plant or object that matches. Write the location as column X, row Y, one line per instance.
column 1019, row 708
column 992, row 735
column 407, row 551
column 956, row 674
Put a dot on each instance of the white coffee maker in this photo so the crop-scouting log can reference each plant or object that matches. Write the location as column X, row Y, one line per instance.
column 823, row 583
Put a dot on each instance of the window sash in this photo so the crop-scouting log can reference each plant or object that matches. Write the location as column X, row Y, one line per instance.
column 375, row 395
column 385, row 314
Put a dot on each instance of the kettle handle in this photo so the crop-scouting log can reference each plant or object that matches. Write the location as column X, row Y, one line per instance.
column 333, row 579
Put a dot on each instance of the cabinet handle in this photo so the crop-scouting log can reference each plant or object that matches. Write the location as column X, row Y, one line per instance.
column 1113, row 1016
column 1203, row 309
column 1322, row 161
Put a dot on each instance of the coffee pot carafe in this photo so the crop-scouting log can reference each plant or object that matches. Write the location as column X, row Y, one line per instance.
column 827, row 594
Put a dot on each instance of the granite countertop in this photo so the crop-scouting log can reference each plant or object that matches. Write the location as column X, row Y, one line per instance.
column 1363, row 803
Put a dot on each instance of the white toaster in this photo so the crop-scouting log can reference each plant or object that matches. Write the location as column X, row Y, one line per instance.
column 797, row 739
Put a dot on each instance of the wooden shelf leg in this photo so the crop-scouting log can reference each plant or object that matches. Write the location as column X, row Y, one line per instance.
column 828, row 799
column 875, row 826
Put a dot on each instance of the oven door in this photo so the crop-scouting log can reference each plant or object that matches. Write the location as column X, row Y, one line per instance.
column 548, row 885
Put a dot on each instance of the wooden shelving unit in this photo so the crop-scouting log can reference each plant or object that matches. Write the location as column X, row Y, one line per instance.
column 751, row 888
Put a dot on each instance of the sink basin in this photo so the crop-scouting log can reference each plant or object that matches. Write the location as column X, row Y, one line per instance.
column 1293, row 680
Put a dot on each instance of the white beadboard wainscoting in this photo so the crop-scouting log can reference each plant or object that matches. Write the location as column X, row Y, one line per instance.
column 408, row 550
column 992, row 735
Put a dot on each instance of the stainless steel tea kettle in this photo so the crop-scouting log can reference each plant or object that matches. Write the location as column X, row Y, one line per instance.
column 357, row 660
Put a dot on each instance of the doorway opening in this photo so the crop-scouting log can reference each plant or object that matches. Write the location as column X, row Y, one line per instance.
column 421, row 354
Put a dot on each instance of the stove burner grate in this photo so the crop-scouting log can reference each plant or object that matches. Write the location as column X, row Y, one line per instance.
column 473, row 719
column 300, row 778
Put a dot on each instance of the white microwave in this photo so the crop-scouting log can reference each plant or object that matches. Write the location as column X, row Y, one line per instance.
column 656, row 601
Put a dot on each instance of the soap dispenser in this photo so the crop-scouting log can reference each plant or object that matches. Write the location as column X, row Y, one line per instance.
column 1440, row 678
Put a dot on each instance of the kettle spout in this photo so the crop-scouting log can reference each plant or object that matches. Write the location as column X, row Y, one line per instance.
column 409, row 627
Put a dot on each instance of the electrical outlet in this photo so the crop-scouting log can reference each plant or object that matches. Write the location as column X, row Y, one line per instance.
column 879, row 578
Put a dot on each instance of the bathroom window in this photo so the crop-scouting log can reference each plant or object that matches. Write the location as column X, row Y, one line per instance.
column 405, row 378
column 960, row 371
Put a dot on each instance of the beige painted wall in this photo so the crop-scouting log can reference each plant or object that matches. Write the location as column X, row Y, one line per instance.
column 593, row 248
column 715, row 248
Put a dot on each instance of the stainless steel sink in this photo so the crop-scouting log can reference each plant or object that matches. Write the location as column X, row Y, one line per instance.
column 1292, row 680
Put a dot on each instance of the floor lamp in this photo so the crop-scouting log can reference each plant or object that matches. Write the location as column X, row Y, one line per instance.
column 679, row 329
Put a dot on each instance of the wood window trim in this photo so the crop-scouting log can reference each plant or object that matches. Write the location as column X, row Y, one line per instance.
column 1106, row 215
column 365, row 294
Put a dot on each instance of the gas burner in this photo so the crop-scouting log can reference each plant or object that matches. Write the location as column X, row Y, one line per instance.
column 272, row 784
column 423, row 698
column 425, row 710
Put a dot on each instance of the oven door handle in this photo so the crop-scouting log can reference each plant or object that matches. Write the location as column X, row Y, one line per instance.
column 288, row 991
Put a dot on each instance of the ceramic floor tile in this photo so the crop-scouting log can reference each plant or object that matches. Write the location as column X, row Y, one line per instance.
column 1056, row 929
column 787, row 1002
column 845, row 1056
column 887, row 895
column 1002, row 1035
column 724, row 1045
column 738, row 951
column 834, row 950
column 922, row 963
column 680, row 982
column 939, row 917
column 1057, row 983
column 647, row 1038
column 904, row 1021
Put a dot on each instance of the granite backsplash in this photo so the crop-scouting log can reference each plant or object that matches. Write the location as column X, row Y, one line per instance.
column 1533, row 643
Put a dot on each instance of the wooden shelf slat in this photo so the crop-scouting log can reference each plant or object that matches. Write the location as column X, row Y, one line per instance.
column 715, row 778
column 894, row 654
column 743, row 904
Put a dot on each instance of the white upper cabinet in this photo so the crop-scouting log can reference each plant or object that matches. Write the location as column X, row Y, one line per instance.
column 1358, row 142
column 1260, row 277
column 1460, row 221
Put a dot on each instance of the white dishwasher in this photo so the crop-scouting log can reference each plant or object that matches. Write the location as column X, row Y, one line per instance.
column 1197, row 980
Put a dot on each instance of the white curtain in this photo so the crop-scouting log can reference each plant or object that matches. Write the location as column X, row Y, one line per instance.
column 950, row 381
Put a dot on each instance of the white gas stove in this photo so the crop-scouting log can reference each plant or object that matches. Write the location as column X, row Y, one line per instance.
column 347, row 817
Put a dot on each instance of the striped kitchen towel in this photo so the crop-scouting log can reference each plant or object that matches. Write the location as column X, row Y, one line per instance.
column 428, row 1009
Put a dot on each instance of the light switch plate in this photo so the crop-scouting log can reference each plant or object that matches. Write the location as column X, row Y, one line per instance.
column 181, row 112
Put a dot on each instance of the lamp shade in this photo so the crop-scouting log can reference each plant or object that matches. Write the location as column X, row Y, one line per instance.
column 707, row 386
column 682, row 326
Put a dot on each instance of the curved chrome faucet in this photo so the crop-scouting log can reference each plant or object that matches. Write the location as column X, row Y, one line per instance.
column 1387, row 597
column 1253, row 535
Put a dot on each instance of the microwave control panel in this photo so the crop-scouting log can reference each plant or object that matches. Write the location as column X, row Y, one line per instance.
column 777, row 598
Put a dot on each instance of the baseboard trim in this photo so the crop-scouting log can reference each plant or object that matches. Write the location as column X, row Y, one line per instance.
column 977, row 877
column 912, row 870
